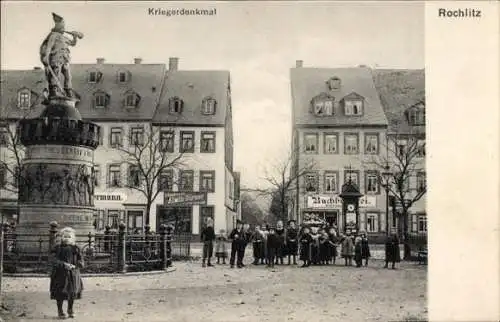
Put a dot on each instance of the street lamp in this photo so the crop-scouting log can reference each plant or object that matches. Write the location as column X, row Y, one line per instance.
column 387, row 176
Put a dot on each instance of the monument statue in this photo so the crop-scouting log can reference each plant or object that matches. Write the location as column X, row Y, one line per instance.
column 55, row 57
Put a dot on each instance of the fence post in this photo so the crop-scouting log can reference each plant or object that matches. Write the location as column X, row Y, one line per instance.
column 107, row 238
column 122, row 249
column 169, row 231
column 163, row 247
column 2, row 244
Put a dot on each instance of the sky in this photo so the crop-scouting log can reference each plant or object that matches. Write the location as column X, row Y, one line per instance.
column 257, row 42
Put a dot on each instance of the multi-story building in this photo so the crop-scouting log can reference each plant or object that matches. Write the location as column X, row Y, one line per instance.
column 339, row 132
column 186, row 113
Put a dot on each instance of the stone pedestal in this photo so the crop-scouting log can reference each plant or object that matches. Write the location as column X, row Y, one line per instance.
column 57, row 172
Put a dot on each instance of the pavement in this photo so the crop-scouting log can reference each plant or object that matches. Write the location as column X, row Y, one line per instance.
column 253, row 293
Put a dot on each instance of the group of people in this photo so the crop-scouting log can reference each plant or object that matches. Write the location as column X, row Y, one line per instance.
column 272, row 245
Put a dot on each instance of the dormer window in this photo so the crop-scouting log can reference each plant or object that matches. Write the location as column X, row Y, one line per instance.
column 416, row 116
column 208, row 106
column 101, row 100
column 175, row 105
column 123, row 76
column 94, row 76
column 333, row 83
column 132, row 99
column 24, row 99
column 323, row 105
column 353, row 105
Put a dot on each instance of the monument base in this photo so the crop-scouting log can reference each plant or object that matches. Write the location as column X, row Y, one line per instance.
column 34, row 225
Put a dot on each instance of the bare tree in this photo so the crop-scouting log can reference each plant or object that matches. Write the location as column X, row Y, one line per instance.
column 282, row 178
column 149, row 156
column 403, row 161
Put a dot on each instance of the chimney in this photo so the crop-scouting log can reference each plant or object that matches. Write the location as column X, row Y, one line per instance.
column 299, row 63
column 137, row 60
column 100, row 60
column 173, row 64
column 37, row 68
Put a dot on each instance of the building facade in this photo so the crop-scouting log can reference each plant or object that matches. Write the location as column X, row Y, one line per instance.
column 340, row 132
column 187, row 115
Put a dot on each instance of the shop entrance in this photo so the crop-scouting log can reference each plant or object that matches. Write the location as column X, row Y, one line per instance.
column 331, row 217
column 178, row 217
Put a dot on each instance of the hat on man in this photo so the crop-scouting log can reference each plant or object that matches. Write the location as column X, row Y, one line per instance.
column 291, row 221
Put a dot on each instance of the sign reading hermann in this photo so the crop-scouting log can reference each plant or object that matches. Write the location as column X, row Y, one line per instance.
column 185, row 198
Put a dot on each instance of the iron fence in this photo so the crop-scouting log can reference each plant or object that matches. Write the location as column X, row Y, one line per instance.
column 103, row 252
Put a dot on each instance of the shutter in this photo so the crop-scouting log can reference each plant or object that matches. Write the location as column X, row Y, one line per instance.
column 108, row 100
column 382, row 217
column 122, row 217
column 414, row 223
column 377, row 222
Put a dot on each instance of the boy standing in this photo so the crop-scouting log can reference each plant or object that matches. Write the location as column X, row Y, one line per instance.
column 207, row 238
column 236, row 237
column 291, row 241
column 273, row 243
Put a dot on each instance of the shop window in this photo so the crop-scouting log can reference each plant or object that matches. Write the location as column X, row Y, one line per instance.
column 178, row 217
column 372, row 223
column 134, row 221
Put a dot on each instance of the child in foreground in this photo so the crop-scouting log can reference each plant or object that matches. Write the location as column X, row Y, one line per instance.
column 65, row 281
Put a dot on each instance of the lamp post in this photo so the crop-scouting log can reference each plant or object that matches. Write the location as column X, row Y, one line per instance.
column 387, row 176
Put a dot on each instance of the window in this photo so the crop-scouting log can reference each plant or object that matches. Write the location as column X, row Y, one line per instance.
column 208, row 106
column 136, row 136
column 134, row 221
column 422, row 224
column 331, row 143
column 4, row 136
column 166, row 181
column 353, row 107
column 187, row 142
column 323, row 107
column 114, row 174
column 123, row 77
column 134, row 176
column 97, row 175
column 3, row 176
column 99, row 219
column 334, row 83
column 24, row 99
column 205, row 213
column 416, row 116
column 113, row 219
column 311, row 182
column 186, row 180
column 421, row 182
column 115, row 137
column 207, row 181
column 371, row 182
column 353, row 174
column 207, row 142
column 421, row 149
column 131, row 99
column 311, row 143
column 331, row 179
column 351, row 144
column 100, row 100
column 93, row 77
column 371, row 143
column 175, row 105
column 371, row 223
column 167, row 141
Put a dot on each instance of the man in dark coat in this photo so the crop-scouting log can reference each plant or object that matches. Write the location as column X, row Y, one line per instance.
column 305, row 247
column 273, row 243
column 291, row 242
column 280, row 233
column 236, row 238
column 392, row 250
column 207, row 237
column 257, row 242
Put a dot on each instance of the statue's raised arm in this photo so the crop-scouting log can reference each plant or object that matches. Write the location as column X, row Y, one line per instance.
column 55, row 57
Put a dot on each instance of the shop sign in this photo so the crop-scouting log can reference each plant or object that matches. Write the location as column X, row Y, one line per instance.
column 110, row 197
column 185, row 198
column 335, row 202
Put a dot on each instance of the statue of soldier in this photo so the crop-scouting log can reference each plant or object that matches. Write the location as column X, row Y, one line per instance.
column 55, row 57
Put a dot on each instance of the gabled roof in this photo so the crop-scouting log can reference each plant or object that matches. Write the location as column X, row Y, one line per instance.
column 400, row 89
column 192, row 87
column 307, row 83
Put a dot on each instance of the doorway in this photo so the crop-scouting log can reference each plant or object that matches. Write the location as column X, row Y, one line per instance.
column 178, row 217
